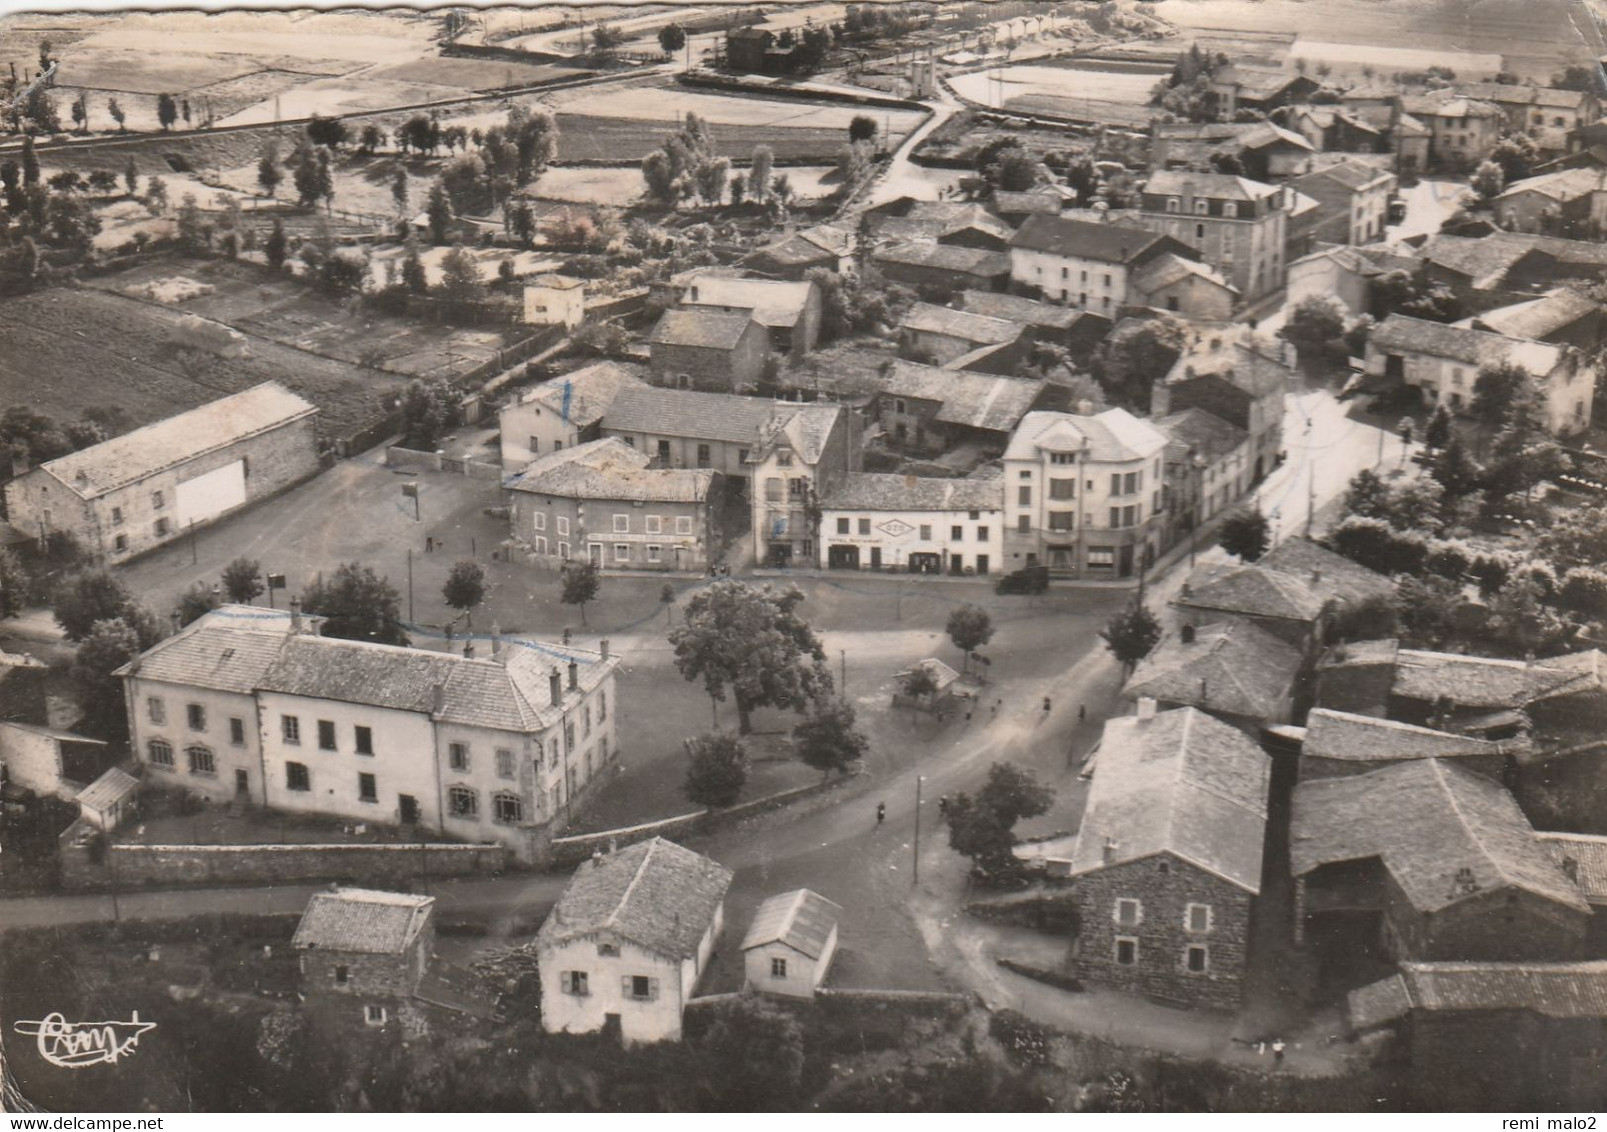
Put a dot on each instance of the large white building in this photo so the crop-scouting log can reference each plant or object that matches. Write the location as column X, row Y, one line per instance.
column 1083, row 493
column 252, row 705
column 628, row 941
column 925, row 525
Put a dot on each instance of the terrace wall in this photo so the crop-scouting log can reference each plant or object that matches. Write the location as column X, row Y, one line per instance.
column 177, row 866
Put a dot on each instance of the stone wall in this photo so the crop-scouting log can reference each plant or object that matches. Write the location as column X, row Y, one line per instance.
column 178, row 866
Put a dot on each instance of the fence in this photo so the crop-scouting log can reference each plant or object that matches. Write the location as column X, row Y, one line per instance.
column 411, row 459
column 159, row 866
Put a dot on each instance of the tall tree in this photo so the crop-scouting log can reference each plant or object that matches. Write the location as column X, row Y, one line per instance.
column 413, row 277
column 277, row 246
column 86, row 597
column 30, row 162
column 242, row 580
column 1496, row 387
column 671, row 37
column 982, row 826
column 329, row 132
column 862, row 128
column 717, row 769
column 827, row 740
column 399, row 189
column 167, row 111
column 970, row 628
column 1245, row 534
column 358, row 604
column 131, row 176
column 460, row 276
column 581, row 581
column 1130, row 634
column 14, row 584
column 269, row 172
column 752, row 644
column 107, row 645
column 759, row 173
column 465, row 588
column 438, row 210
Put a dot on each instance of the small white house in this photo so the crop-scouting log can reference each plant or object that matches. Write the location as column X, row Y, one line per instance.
column 105, row 802
column 628, row 940
column 555, row 300
column 791, row 943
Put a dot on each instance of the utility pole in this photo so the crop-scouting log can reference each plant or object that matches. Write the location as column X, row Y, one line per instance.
column 192, row 542
column 1311, row 494
column 410, row 585
column 917, row 855
column 843, row 684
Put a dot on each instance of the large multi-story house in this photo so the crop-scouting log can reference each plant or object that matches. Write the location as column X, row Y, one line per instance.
column 801, row 455
column 145, row 488
column 1264, row 151
column 1086, row 263
column 1235, row 380
column 1444, row 362
column 1238, row 226
column 1567, row 202
column 709, row 350
column 930, row 409
column 252, row 705
column 1082, row 493
column 628, row 941
column 1552, row 117
column 560, row 413
column 788, row 311
column 1462, row 130
column 1168, row 858
column 1208, row 464
column 605, row 502
column 877, row 520
column 1352, row 201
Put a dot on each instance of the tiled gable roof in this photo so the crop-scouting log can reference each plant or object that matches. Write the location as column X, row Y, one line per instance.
column 610, row 469
column 1195, row 430
column 773, row 302
column 1463, row 344
column 1325, row 573
column 1217, row 186
column 946, row 257
column 1474, row 681
column 1250, row 590
column 655, row 894
column 1084, row 239
column 1583, row 857
column 794, row 249
column 976, row 400
column 362, row 920
column 1536, row 318
column 1170, row 268
column 1444, row 833
column 805, row 429
column 1231, row 667
column 230, row 650
column 1028, row 312
column 649, row 409
column 1346, row 737
column 1182, row 783
column 128, row 458
column 803, row 920
column 1552, row 990
column 708, row 329
column 929, row 318
column 1233, row 362
column 1114, row 436
column 585, row 395
column 887, row 491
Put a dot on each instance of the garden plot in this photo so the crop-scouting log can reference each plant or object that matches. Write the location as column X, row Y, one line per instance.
column 472, row 74
column 668, row 105
column 356, row 38
column 135, row 71
column 1045, row 85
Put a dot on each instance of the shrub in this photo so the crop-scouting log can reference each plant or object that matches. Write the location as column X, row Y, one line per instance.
column 1584, row 591
column 1448, row 560
column 1374, row 544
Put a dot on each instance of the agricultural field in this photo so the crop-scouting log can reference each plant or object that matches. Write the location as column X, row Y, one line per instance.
column 71, row 349
column 1109, row 92
column 468, row 75
column 668, row 104
column 282, row 313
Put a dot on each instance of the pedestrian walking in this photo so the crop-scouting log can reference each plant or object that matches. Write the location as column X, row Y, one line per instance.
column 429, row 543
column 1046, row 705
column 1082, row 712
column 881, row 812
column 1277, row 1053
column 943, row 804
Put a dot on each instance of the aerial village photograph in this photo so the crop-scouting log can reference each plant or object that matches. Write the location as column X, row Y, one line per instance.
column 918, row 556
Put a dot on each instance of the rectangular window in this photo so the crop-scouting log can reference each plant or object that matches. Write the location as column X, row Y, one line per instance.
column 573, row 982
column 158, row 501
column 655, row 524
column 374, row 1015
column 772, row 489
column 1062, row 489
column 842, row 525
column 535, row 445
column 201, row 761
column 640, row 987
column 541, row 545
column 1024, row 495
column 1129, row 912
column 367, row 790
column 683, row 524
column 622, row 524
column 458, row 756
column 1024, row 524
column 1198, row 917
column 504, row 763
column 237, row 731
column 538, row 520
column 364, row 739
column 196, row 716
column 585, row 720
column 926, row 532
column 704, row 456
column 622, row 552
column 1198, row 960
column 1126, row 951
column 156, row 709
column 982, row 534
column 120, row 542
column 563, row 551
column 326, row 735
column 296, row 777
column 655, row 553
column 507, row 809
column 602, row 706
column 778, row 968
column 1115, row 517
column 290, row 728
column 161, row 528
column 161, row 752
column 742, row 455
column 1062, row 520
column 1115, row 483
column 864, row 526
column 117, row 516
column 342, row 973
column 563, row 524
column 1129, row 515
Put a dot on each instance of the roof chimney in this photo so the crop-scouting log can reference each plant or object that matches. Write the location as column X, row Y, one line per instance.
column 468, row 648
column 1109, row 855
column 438, row 699
column 295, row 615
column 496, row 641
column 178, row 622
column 1186, row 633
column 1085, row 408
column 574, row 676
column 604, row 647
column 1146, row 708
column 555, row 685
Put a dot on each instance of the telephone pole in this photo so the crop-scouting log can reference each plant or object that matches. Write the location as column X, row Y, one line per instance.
column 916, row 872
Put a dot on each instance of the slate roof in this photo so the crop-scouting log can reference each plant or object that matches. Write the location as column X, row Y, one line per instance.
column 1028, row 312
column 129, row 458
column 1230, row 667
column 1474, row 681
column 774, row 302
column 1538, row 318
column 511, row 694
column 1428, row 821
column 1345, row 737
column 804, row 428
column 1165, row 270
column 792, row 250
column 1084, row 239
column 1217, row 186
column 1588, row 854
column 1482, row 259
column 107, row 790
column 886, row 491
column 1182, row 783
column 656, row 894
column 590, row 392
column 1195, row 430
column 979, row 262
column 980, row 329
column 611, row 469
column 1351, row 175
column 1114, row 436
column 1563, row 185
column 362, row 920
column 1241, row 366
column 1453, row 106
column 707, row 329
column 976, row 400
column 1325, row 573
column 649, row 409
column 1295, row 582
column 1462, row 343
column 803, row 920
column 1028, row 203
column 1523, row 94
column 1552, row 990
